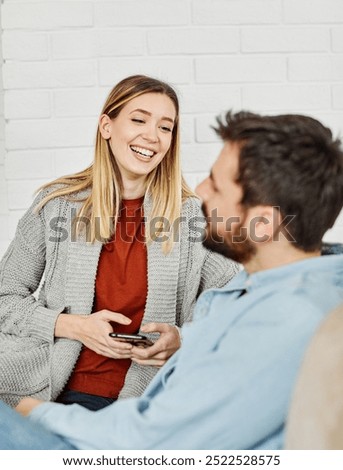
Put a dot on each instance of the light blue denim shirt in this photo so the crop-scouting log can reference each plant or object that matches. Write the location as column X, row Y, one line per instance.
column 230, row 384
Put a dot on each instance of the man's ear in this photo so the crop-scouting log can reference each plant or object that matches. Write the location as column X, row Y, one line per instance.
column 262, row 223
column 105, row 126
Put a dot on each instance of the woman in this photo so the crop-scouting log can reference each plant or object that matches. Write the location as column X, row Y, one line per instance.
column 120, row 240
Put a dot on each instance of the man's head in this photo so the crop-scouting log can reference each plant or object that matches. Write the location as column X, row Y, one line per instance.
column 276, row 176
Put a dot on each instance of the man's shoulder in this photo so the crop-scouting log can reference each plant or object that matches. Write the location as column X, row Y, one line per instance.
column 315, row 284
column 295, row 305
column 322, row 285
column 296, row 309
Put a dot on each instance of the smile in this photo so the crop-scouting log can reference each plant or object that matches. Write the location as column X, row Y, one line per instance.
column 142, row 151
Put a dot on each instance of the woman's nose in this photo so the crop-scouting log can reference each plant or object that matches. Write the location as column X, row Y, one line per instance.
column 150, row 134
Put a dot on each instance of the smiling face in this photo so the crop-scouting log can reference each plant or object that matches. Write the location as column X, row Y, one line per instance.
column 141, row 134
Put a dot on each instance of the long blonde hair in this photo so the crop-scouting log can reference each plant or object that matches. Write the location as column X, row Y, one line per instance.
column 165, row 183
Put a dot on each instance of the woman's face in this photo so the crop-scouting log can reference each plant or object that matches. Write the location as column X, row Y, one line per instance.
column 141, row 134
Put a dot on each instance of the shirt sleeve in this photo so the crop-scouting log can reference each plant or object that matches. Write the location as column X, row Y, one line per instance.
column 232, row 395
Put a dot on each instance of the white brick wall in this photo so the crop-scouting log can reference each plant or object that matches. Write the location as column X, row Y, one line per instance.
column 4, row 211
column 60, row 59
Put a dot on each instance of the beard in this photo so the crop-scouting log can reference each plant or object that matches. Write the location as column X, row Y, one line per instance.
column 233, row 244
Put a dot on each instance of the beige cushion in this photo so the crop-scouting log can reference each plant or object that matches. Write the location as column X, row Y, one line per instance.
column 316, row 414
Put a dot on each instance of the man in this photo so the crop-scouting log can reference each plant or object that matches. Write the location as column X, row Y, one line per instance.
column 275, row 189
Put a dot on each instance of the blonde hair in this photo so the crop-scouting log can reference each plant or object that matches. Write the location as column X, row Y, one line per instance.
column 165, row 183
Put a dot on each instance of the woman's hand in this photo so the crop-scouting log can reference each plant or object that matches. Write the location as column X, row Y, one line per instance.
column 93, row 331
column 156, row 355
column 26, row 405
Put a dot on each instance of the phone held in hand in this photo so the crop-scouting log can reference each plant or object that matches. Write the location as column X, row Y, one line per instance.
column 137, row 340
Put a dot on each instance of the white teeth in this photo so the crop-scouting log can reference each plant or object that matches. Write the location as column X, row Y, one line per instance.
column 143, row 151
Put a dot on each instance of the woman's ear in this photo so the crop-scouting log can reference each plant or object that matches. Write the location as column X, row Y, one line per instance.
column 105, row 126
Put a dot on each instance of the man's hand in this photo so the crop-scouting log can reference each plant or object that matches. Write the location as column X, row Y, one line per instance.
column 26, row 405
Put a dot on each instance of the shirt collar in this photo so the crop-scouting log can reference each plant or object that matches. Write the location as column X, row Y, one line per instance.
column 245, row 281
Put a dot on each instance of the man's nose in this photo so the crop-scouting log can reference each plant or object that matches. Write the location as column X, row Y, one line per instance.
column 201, row 190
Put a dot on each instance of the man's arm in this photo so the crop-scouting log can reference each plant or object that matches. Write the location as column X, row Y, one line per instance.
column 233, row 395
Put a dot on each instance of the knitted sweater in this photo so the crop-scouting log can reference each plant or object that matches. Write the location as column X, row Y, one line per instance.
column 47, row 270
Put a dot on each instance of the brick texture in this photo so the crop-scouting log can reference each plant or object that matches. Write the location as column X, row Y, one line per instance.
column 60, row 58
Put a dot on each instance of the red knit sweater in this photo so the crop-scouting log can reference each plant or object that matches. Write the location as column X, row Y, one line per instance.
column 121, row 286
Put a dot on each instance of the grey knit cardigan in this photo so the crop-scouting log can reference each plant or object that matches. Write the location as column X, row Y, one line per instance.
column 47, row 270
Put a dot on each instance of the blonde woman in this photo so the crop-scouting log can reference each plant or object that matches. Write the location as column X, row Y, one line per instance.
column 115, row 248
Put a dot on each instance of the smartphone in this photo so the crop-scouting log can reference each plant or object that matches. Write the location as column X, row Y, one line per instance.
column 136, row 340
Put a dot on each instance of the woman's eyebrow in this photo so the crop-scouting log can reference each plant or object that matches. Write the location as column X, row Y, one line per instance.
column 144, row 111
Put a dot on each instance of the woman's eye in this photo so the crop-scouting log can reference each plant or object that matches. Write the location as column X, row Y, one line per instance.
column 166, row 129
column 140, row 121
